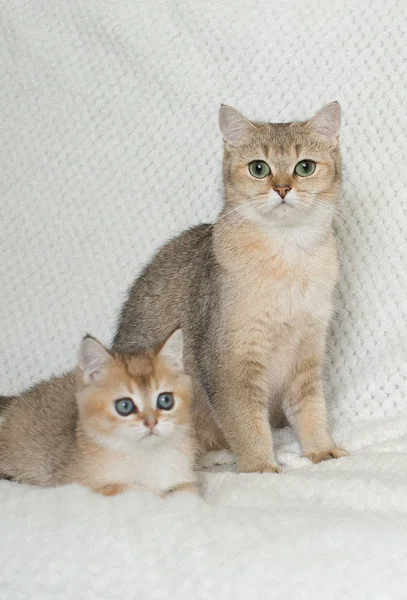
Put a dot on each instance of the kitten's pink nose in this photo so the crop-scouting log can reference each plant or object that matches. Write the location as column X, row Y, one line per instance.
column 282, row 190
column 150, row 422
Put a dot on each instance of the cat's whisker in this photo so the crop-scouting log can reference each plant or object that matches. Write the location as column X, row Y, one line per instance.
column 343, row 223
column 235, row 222
column 228, row 212
column 340, row 218
column 240, row 215
column 338, row 209
column 338, row 212
column 347, row 215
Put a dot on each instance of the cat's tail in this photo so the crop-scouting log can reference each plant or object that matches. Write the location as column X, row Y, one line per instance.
column 5, row 401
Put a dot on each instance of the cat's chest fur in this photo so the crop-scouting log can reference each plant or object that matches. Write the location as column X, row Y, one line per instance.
column 268, row 285
column 157, row 466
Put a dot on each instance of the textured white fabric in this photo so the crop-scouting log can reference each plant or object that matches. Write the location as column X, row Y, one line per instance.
column 318, row 532
column 109, row 147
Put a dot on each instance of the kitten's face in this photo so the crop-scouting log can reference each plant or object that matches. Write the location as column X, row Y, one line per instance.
column 284, row 174
column 137, row 402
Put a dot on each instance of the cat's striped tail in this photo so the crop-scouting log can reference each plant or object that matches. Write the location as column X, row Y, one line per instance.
column 5, row 401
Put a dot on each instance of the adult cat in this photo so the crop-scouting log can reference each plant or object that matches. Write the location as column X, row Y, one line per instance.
column 253, row 292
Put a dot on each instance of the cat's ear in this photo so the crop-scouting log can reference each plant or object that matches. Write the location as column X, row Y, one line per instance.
column 233, row 125
column 327, row 121
column 93, row 359
column 173, row 350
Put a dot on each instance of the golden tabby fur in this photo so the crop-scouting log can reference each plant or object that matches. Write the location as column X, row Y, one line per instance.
column 68, row 429
column 253, row 292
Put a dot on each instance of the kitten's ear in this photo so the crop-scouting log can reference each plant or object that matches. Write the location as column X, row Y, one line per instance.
column 173, row 350
column 327, row 121
column 93, row 359
column 233, row 125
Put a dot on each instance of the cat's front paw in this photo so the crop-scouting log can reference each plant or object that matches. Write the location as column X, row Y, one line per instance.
column 271, row 469
column 317, row 457
column 260, row 468
column 217, row 458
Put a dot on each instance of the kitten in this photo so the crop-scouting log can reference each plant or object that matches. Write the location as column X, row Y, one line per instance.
column 253, row 292
column 119, row 421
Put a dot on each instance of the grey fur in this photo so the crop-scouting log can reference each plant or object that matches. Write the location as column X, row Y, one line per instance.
column 179, row 286
column 42, row 445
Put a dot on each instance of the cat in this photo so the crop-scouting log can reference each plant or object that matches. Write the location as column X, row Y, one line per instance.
column 117, row 422
column 253, row 292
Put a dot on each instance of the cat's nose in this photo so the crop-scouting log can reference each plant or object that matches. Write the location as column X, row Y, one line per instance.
column 282, row 190
column 150, row 422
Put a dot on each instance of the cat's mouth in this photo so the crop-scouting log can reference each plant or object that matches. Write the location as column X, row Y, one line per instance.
column 274, row 203
column 281, row 207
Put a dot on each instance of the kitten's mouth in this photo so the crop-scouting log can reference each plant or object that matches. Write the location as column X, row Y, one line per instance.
column 150, row 434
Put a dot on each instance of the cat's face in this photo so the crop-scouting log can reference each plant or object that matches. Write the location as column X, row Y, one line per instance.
column 284, row 174
column 134, row 401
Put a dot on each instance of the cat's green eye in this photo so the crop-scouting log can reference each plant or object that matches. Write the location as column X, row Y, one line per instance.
column 305, row 168
column 259, row 169
column 165, row 401
column 125, row 406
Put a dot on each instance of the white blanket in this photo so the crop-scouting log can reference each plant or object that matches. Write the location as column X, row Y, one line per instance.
column 110, row 146
column 333, row 531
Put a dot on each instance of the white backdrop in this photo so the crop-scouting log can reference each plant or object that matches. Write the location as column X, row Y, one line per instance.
column 110, row 146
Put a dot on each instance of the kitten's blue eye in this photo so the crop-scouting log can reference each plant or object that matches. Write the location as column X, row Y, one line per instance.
column 259, row 169
column 125, row 406
column 165, row 401
column 305, row 168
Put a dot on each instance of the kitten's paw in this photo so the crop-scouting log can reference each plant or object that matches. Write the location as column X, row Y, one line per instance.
column 267, row 468
column 112, row 490
column 317, row 457
column 190, row 487
column 217, row 458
